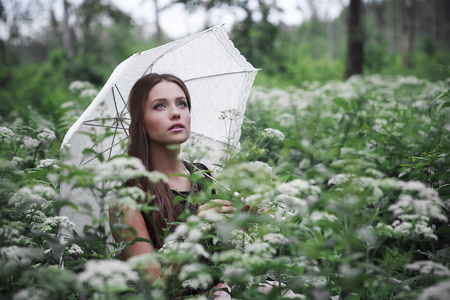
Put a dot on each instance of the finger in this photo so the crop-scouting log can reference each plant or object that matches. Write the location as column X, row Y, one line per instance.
column 221, row 202
column 227, row 209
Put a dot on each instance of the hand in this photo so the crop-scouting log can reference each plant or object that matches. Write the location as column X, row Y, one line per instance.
column 219, row 206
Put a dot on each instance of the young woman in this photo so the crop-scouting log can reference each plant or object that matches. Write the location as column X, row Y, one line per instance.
column 159, row 106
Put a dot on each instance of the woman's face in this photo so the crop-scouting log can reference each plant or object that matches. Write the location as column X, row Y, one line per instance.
column 167, row 118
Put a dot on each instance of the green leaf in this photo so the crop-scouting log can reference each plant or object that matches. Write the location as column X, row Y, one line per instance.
column 445, row 105
column 354, row 103
column 406, row 165
column 285, row 178
column 445, row 229
column 443, row 186
column 421, row 165
column 342, row 103
column 419, row 175
column 178, row 199
column 433, row 102
column 353, row 296
column 89, row 151
column 439, row 175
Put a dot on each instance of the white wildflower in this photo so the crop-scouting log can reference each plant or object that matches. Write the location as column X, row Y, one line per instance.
column 30, row 143
column 88, row 93
column 212, row 215
column 48, row 163
column 425, row 207
column 317, row 216
column 46, row 135
column 233, row 273
column 187, row 249
column 414, row 186
column 348, row 272
column 194, row 277
column 254, row 199
column 17, row 161
column 127, row 197
column 402, row 227
column 44, row 190
column 120, row 169
column 134, row 192
column 383, row 229
column 180, row 231
column 76, row 86
column 339, row 179
column 317, row 281
column 143, row 261
column 273, row 134
column 276, row 238
column 60, row 222
column 429, row 268
column 367, row 235
column 32, row 294
column 68, row 104
column 36, row 194
column 299, row 206
column 79, row 85
column 260, row 248
column 75, row 250
column 13, row 257
column 286, row 119
column 231, row 255
column 298, row 187
column 439, row 291
column 262, row 164
column 240, row 239
column 194, row 235
column 6, row 132
column 107, row 274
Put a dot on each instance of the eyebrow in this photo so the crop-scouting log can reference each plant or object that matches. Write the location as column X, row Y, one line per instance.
column 165, row 99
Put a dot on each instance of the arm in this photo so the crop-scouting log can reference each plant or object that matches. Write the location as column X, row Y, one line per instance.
column 134, row 219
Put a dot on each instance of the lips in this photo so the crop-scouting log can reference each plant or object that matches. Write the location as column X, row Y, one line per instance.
column 176, row 126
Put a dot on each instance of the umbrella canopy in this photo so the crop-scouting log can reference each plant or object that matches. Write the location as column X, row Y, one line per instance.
column 218, row 78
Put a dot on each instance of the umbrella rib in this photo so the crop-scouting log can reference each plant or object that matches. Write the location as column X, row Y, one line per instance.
column 121, row 97
column 117, row 121
column 88, row 161
column 101, row 119
column 216, row 75
column 103, row 126
column 124, row 108
column 150, row 68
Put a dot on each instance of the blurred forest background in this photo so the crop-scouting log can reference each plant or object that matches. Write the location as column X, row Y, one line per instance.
column 409, row 37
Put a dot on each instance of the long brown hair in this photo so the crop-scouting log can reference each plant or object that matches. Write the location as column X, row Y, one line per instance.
column 139, row 147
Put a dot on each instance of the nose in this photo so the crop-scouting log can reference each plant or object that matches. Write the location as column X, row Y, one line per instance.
column 175, row 114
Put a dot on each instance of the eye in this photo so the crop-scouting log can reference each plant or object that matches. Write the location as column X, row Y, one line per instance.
column 159, row 106
column 182, row 104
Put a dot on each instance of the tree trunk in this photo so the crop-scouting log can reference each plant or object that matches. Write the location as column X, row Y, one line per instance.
column 67, row 36
column 158, row 26
column 355, row 39
column 408, row 32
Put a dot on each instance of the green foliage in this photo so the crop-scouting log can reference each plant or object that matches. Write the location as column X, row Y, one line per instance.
column 347, row 185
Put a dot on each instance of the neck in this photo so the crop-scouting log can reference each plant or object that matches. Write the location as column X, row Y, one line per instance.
column 165, row 160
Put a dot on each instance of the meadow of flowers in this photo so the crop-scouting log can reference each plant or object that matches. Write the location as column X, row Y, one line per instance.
column 350, row 182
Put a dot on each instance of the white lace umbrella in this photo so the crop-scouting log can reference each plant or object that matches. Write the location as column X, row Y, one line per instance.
column 218, row 78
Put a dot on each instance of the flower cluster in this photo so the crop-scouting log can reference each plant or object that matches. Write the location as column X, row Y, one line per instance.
column 273, row 134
